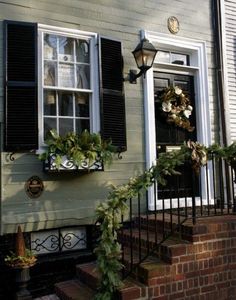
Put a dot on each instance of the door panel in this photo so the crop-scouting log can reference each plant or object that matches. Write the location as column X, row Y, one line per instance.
column 168, row 136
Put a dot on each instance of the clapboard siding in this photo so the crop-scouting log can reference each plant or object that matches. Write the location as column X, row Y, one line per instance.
column 230, row 37
column 69, row 199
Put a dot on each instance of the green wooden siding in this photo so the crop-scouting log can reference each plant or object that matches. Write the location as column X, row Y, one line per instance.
column 71, row 199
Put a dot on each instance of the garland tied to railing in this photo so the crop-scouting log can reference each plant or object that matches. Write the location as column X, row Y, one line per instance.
column 109, row 213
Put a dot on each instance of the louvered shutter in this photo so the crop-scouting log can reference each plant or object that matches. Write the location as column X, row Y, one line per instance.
column 20, row 59
column 113, row 124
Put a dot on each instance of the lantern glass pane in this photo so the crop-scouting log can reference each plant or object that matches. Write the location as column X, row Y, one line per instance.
column 138, row 58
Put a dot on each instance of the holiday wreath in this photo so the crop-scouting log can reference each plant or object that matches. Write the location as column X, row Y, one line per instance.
column 176, row 106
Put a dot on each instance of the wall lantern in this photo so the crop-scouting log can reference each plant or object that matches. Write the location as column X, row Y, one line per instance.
column 144, row 55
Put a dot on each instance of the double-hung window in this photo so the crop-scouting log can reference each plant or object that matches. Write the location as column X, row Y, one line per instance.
column 63, row 79
column 68, row 83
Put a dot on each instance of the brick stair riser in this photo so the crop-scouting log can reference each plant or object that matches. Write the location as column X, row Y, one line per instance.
column 144, row 247
column 154, row 226
column 188, row 231
column 165, row 252
column 87, row 278
column 132, row 292
column 61, row 294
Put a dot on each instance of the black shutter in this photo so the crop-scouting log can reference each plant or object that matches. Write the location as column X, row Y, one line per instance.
column 112, row 93
column 21, row 112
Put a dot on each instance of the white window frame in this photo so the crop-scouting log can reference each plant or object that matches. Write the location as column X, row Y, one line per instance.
column 94, row 113
column 198, row 68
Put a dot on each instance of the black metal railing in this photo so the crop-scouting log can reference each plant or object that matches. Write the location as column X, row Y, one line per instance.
column 158, row 214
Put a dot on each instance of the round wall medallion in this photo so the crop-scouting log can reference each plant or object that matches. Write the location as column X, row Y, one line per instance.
column 173, row 24
column 34, row 187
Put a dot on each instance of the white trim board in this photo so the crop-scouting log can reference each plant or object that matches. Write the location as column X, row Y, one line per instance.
column 198, row 68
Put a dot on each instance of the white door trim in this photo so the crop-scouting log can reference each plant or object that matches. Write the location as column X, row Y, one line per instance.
column 198, row 62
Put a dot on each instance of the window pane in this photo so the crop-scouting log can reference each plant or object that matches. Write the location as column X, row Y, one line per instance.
column 65, row 126
column 66, row 75
column 49, row 123
column 66, row 49
column 162, row 57
column 82, row 105
column 49, row 103
column 65, row 102
column 83, row 77
column 182, row 84
column 50, row 46
column 81, row 125
column 49, row 73
column 82, row 51
column 179, row 59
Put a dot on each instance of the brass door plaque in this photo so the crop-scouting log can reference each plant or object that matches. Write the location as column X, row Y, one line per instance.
column 173, row 24
column 34, row 187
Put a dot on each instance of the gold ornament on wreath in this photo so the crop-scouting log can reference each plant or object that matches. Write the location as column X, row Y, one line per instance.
column 176, row 107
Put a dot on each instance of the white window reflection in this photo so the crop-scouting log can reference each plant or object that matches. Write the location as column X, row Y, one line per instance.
column 83, row 78
column 50, row 46
column 50, row 73
column 66, row 49
column 82, row 51
column 66, row 75
column 172, row 58
column 66, row 71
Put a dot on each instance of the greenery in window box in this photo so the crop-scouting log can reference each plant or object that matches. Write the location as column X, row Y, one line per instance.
column 22, row 258
column 78, row 148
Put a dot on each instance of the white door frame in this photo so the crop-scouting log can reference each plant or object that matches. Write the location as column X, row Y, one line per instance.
column 198, row 68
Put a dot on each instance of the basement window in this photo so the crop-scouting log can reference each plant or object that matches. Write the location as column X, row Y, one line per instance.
column 58, row 240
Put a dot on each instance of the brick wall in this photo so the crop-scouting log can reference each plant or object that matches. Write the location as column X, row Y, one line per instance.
column 205, row 268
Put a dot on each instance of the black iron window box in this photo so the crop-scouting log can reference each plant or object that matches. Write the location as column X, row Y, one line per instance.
column 68, row 165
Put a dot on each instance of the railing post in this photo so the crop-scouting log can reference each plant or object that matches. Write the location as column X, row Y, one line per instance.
column 193, row 197
column 233, row 176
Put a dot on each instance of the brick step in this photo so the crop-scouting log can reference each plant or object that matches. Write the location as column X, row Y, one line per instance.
column 73, row 290
column 155, row 223
column 168, row 250
column 209, row 228
column 132, row 258
column 131, row 290
column 205, row 229
column 88, row 274
column 145, row 272
column 146, row 238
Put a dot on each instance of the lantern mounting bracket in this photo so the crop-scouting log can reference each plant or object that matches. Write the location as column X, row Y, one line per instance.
column 144, row 55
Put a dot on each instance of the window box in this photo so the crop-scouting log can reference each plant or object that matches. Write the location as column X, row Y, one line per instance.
column 76, row 152
column 68, row 165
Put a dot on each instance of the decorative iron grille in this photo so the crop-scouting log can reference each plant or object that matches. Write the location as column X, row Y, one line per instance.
column 58, row 240
column 69, row 165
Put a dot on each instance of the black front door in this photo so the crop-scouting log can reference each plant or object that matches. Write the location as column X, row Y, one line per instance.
column 170, row 137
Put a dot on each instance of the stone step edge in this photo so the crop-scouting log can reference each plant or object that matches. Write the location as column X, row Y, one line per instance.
column 145, row 271
column 73, row 290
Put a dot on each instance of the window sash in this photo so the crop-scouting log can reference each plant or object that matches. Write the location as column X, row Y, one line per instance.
column 92, row 91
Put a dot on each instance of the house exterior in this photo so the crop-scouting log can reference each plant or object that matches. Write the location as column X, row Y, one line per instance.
column 228, row 42
column 62, row 67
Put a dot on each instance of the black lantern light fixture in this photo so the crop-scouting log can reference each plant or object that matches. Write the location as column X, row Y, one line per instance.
column 144, row 55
